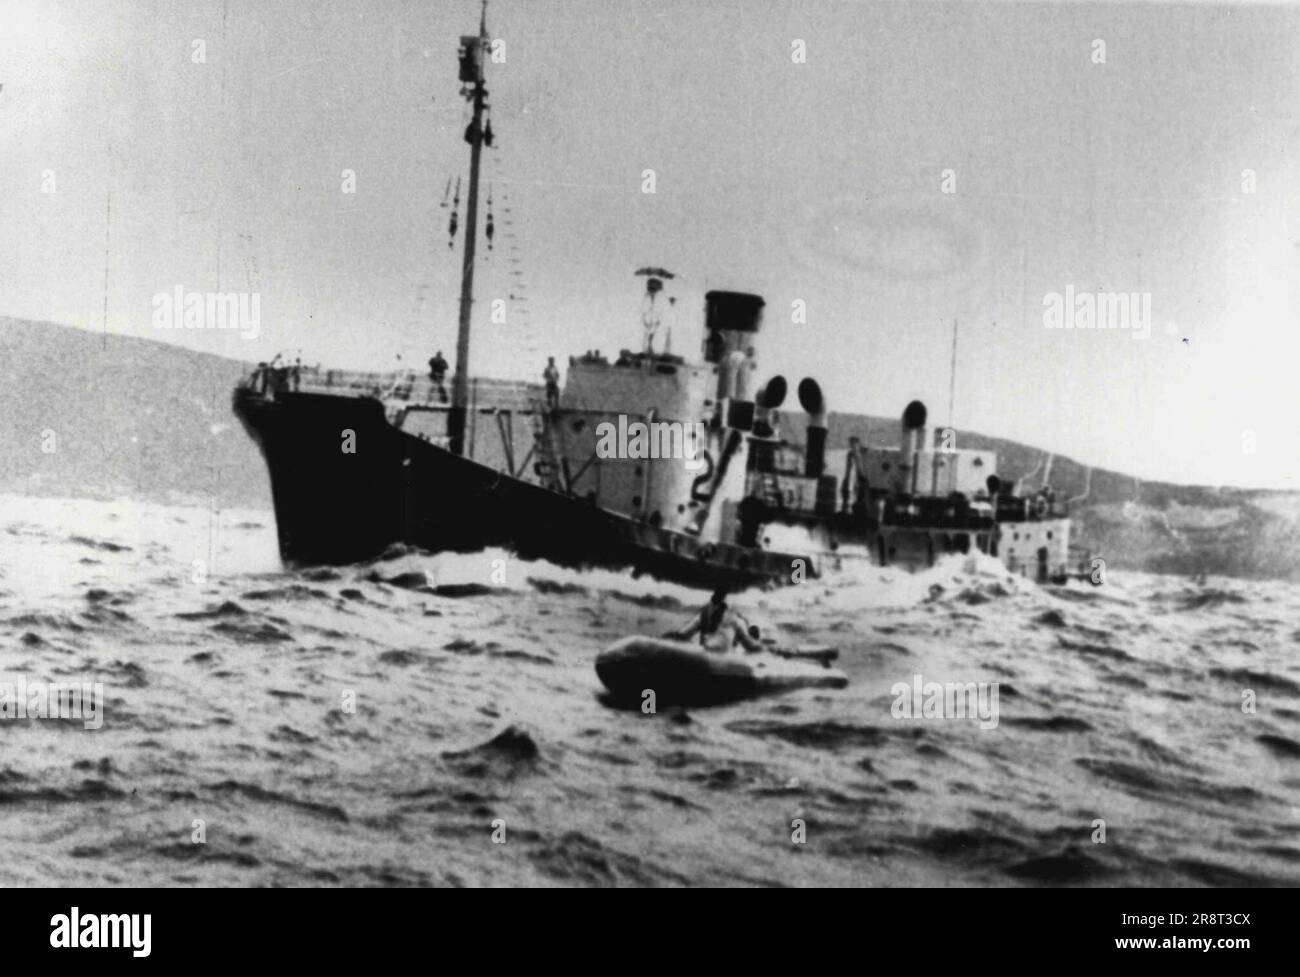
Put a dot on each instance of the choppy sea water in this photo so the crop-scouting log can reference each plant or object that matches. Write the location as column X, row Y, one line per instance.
column 478, row 714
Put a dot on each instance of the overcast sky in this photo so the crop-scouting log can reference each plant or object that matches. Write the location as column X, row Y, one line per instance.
column 819, row 182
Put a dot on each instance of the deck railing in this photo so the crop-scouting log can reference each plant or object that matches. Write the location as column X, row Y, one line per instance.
column 407, row 386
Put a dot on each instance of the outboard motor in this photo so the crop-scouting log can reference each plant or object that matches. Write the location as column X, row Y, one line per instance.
column 812, row 401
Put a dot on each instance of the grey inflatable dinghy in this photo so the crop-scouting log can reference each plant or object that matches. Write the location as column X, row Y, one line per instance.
column 682, row 674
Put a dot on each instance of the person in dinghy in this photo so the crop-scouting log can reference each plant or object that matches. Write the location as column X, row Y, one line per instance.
column 720, row 628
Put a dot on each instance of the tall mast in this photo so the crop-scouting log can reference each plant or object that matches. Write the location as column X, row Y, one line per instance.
column 952, row 373
column 472, row 54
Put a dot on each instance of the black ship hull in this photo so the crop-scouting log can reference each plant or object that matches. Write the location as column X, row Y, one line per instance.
column 339, row 507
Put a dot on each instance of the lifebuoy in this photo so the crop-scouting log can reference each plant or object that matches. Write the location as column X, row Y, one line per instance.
column 1041, row 507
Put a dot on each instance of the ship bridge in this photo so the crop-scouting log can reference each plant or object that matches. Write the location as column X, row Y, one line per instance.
column 660, row 438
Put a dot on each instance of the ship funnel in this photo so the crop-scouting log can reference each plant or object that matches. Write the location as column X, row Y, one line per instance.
column 812, row 401
column 913, row 427
column 730, row 373
column 735, row 381
column 744, row 382
column 913, row 437
column 914, row 415
column 731, row 319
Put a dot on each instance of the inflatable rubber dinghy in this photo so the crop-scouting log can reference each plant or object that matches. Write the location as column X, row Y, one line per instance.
column 686, row 674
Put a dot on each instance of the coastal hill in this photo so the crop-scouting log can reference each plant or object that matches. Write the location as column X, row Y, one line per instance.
column 123, row 416
column 87, row 415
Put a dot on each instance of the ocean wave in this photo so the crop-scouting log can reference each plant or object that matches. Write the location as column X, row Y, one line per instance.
column 367, row 725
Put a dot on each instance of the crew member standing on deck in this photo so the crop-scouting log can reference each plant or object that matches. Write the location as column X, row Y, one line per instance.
column 438, row 373
column 279, row 375
column 552, row 377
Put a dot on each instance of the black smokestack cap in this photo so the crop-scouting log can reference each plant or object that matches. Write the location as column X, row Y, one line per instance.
column 773, row 395
column 732, row 311
column 810, row 396
column 914, row 415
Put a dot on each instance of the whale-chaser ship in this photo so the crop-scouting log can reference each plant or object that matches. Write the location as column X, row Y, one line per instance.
column 360, row 462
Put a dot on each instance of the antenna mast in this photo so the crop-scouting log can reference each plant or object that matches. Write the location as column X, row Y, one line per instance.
column 952, row 374
column 472, row 50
